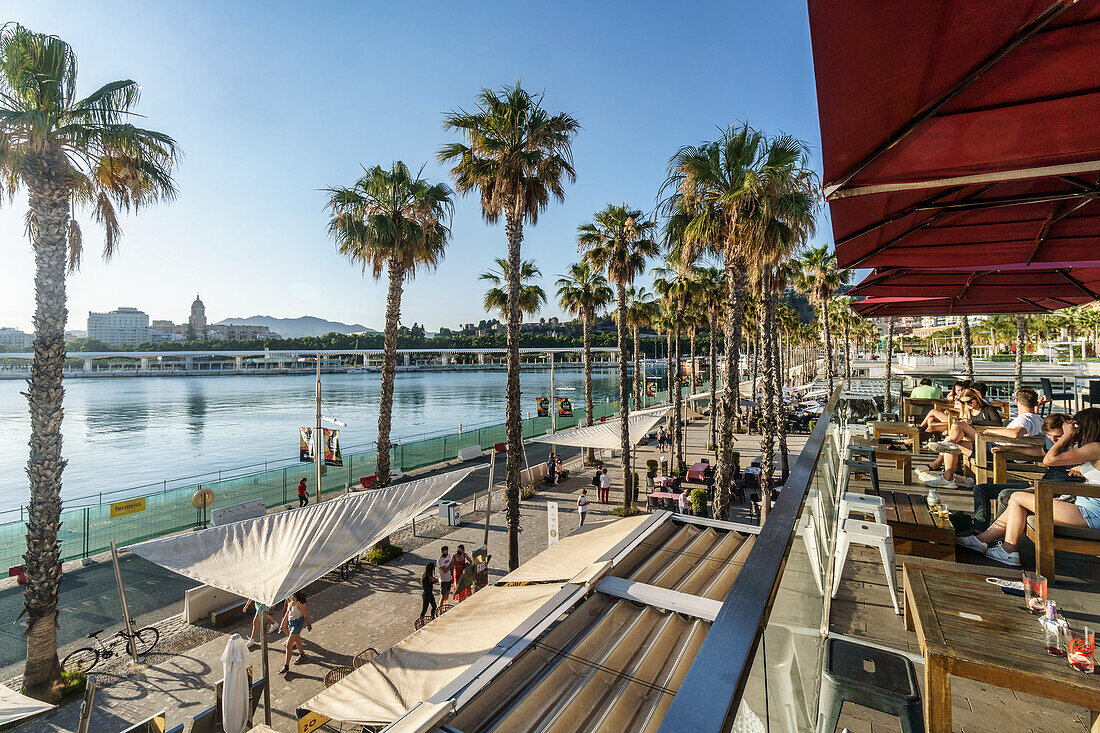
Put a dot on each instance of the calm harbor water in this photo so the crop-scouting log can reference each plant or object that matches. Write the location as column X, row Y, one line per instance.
column 131, row 431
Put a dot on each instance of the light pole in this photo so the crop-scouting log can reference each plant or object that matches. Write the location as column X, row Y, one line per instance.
column 318, row 435
column 553, row 402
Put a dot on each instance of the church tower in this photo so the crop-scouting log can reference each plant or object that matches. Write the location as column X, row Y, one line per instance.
column 197, row 320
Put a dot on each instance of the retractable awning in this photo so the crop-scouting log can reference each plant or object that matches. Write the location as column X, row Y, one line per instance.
column 15, row 706
column 268, row 558
column 960, row 134
column 884, row 307
column 607, row 435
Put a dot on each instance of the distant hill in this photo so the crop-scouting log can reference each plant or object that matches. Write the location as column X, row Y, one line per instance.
column 298, row 327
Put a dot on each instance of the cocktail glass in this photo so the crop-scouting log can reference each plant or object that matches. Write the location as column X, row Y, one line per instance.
column 1035, row 592
column 1082, row 643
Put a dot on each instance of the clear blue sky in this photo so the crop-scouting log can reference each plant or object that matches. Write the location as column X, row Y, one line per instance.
column 273, row 101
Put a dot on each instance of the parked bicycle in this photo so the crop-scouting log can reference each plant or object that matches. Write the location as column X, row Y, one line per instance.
column 86, row 658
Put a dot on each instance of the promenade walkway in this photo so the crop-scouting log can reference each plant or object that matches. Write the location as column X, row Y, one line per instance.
column 375, row 607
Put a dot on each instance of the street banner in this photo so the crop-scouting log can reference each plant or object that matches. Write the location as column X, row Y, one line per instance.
column 565, row 406
column 552, row 521
column 543, row 405
column 305, row 445
column 333, row 456
column 651, row 389
column 128, row 506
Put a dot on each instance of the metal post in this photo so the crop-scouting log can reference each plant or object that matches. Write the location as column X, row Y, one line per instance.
column 125, row 611
column 266, row 668
column 86, row 707
column 318, row 443
column 489, row 496
column 553, row 401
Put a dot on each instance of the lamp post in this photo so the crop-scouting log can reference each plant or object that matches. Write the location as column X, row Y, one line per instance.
column 553, row 402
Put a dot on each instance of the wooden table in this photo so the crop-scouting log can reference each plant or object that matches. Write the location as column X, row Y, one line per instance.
column 899, row 428
column 916, row 529
column 903, row 459
column 968, row 627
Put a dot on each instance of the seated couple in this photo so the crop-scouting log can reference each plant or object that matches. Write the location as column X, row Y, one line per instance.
column 1074, row 445
column 976, row 413
column 936, row 417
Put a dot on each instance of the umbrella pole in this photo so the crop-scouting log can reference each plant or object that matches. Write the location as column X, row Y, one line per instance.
column 489, row 498
column 266, row 669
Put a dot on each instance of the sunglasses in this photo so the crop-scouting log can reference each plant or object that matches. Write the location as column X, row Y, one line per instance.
column 968, row 402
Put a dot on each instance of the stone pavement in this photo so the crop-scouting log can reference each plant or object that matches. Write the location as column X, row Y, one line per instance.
column 375, row 607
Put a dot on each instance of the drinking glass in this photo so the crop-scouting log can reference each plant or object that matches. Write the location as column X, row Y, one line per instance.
column 1082, row 643
column 1055, row 639
column 1035, row 592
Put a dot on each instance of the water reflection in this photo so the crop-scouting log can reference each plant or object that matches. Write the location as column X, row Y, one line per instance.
column 196, row 411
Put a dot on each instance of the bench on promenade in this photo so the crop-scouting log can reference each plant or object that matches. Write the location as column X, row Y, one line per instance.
column 471, row 453
column 228, row 612
column 916, row 530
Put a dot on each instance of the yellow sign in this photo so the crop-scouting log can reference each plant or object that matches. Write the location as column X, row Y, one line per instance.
column 311, row 721
column 130, row 506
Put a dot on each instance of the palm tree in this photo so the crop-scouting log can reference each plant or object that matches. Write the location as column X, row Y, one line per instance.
column 531, row 295
column 842, row 313
column 518, row 157
column 67, row 151
column 886, row 396
column 711, row 187
column 584, row 292
column 674, row 285
column 390, row 221
column 617, row 242
column 639, row 314
column 821, row 278
column 712, row 284
column 968, row 346
column 1021, row 339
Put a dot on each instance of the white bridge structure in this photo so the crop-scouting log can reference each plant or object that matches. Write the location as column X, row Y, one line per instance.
column 300, row 361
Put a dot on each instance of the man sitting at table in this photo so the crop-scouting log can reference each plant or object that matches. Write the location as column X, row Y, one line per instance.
column 986, row 492
column 926, row 391
column 961, row 435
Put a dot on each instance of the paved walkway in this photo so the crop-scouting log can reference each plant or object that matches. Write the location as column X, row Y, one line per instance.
column 376, row 607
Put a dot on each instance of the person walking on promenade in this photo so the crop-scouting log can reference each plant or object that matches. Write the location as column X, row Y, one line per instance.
column 262, row 614
column 458, row 566
column 444, row 564
column 605, row 487
column 303, row 495
column 582, row 505
column 297, row 616
column 427, row 586
column 551, row 468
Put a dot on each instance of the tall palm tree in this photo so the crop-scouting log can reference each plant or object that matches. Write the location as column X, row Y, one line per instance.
column 390, row 221
column 531, row 295
column 842, row 313
column 639, row 315
column 821, row 278
column 68, row 152
column 517, row 156
column 617, row 241
column 584, row 292
column 710, row 187
column 712, row 294
column 968, row 346
column 886, row 396
column 1021, row 339
column 674, row 285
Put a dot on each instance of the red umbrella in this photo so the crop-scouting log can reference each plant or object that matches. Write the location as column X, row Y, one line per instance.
column 1049, row 289
column 960, row 134
column 913, row 306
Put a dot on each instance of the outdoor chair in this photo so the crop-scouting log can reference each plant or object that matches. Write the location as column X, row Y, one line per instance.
column 1048, row 391
column 869, row 534
column 336, row 674
column 872, row 677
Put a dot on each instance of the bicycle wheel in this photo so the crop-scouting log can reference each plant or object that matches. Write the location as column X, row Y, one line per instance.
column 80, row 660
column 145, row 639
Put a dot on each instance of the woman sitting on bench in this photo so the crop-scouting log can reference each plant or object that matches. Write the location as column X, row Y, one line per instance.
column 934, row 416
column 1082, row 431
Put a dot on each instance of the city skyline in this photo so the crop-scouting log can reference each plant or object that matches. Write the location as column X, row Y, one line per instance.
column 236, row 87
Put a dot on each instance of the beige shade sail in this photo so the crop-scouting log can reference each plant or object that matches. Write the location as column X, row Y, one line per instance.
column 268, row 558
column 566, row 559
column 15, row 706
column 606, row 435
column 424, row 662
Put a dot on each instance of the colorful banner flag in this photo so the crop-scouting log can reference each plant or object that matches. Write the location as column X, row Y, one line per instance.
column 305, row 445
column 333, row 456
column 651, row 389
column 543, row 404
column 565, row 406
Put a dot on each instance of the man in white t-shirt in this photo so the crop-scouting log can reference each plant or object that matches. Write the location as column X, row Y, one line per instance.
column 605, row 487
column 444, row 564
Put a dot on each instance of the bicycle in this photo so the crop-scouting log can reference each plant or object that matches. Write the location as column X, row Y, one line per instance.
column 86, row 658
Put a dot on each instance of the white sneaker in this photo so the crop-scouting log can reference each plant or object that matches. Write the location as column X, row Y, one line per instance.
column 971, row 542
column 941, row 483
column 964, row 481
column 252, row 643
column 997, row 553
column 926, row 476
column 272, row 628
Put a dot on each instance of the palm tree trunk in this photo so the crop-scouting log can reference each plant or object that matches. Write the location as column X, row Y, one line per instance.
column 586, row 324
column 828, row 344
column 389, row 369
column 713, row 405
column 968, row 348
column 692, row 352
column 767, row 428
column 780, row 403
column 668, row 361
column 735, row 303
column 1021, row 336
column 847, row 349
column 624, row 399
column 514, row 230
column 639, row 375
column 889, row 363
column 49, row 206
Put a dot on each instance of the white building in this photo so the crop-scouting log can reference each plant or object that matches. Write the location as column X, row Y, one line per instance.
column 120, row 327
column 162, row 337
column 15, row 338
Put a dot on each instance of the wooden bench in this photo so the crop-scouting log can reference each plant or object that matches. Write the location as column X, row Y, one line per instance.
column 916, row 530
column 986, row 470
column 898, row 428
column 227, row 613
column 1047, row 538
column 1010, row 465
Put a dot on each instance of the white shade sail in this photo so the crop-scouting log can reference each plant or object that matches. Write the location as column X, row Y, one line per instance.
column 14, row 706
column 268, row 558
column 606, row 435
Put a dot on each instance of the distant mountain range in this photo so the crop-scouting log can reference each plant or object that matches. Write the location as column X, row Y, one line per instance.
column 298, row 327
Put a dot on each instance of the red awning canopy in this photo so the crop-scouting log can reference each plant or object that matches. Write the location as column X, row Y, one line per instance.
column 1015, row 289
column 884, row 307
column 960, row 134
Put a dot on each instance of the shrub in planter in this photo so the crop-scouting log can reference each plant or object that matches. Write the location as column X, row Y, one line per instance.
column 526, row 492
column 382, row 555
column 630, row 511
column 651, row 466
column 699, row 502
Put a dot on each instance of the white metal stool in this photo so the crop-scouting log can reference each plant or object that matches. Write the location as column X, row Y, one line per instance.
column 853, row 503
column 869, row 534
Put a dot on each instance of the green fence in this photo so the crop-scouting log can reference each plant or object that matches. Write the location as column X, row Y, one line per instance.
column 88, row 530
